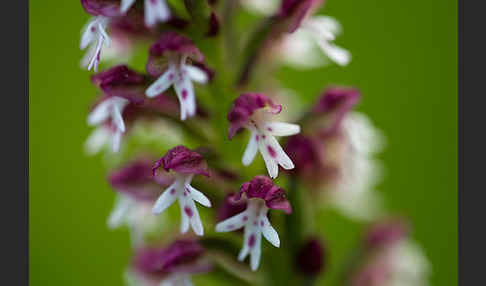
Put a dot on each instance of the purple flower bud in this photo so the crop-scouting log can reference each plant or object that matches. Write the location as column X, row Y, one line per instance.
column 179, row 256
column 386, row 233
column 295, row 10
column 182, row 160
column 303, row 152
column 337, row 99
column 174, row 46
column 122, row 82
column 132, row 25
column 213, row 25
column 262, row 187
column 108, row 8
column 335, row 103
column 230, row 207
column 311, row 258
column 244, row 106
column 136, row 180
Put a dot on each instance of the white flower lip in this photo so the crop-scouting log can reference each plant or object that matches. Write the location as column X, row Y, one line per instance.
column 181, row 77
column 263, row 139
column 111, row 108
column 185, row 195
column 255, row 221
column 95, row 35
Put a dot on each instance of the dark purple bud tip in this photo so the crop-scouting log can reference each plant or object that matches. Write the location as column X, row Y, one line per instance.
column 244, row 106
column 108, row 8
column 337, row 99
column 135, row 180
column 311, row 258
column 303, row 152
column 123, row 82
column 182, row 160
column 230, row 207
column 294, row 11
column 213, row 26
column 170, row 45
column 385, row 233
column 335, row 103
column 172, row 42
column 179, row 254
column 262, row 187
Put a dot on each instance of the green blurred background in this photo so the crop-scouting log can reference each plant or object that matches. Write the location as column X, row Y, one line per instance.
column 404, row 62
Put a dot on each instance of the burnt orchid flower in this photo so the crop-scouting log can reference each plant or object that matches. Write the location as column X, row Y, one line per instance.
column 307, row 31
column 252, row 110
column 155, row 10
column 170, row 266
column 109, row 110
column 185, row 164
column 94, row 34
column 120, row 86
column 261, row 195
column 170, row 61
column 95, row 37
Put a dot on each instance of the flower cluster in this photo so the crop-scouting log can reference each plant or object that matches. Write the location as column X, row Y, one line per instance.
column 327, row 153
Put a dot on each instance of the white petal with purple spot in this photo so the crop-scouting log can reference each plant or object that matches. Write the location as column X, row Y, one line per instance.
column 251, row 149
column 162, row 83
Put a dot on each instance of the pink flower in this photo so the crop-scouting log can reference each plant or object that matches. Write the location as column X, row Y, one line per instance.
column 252, row 111
column 261, row 195
column 185, row 163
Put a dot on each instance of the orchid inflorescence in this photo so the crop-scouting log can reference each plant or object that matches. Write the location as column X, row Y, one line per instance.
column 202, row 86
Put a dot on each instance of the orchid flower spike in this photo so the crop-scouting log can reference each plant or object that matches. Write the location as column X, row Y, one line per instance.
column 155, row 10
column 261, row 195
column 169, row 60
column 185, row 163
column 251, row 110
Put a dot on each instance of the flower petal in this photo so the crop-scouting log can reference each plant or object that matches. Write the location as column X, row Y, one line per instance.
column 199, row 196
column 232, row 223
column 97, row 140
column 116, row 141
column 282, row 128
column 196, row 74
column 251, row 150
column 117, row 118
column 166, row 199
column 280, row 155
column 126, row 4
column 190, row 212
column 119, row 212
column 100, row 113
column 270, row 161
column 256, row 250
column 161, row 84
column 185, row 93
column 337, row 54
column 269, row 232
column 156, row 11
column 184, row 218
column 246, row 249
